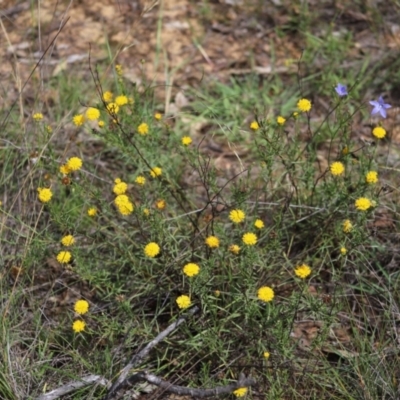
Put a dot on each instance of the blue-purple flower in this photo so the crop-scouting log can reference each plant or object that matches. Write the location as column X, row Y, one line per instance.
column 341, row 90
column 380, row 107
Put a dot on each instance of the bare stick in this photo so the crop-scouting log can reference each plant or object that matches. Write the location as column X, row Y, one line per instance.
column 137, row 358
column 200, row 393
column 70, row 387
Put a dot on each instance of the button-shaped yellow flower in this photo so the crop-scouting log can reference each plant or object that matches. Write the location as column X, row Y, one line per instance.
column 81, row 307
column 249, row 239
column 183, row 301
column 152, row 249
column 191, row 269
column 265, row 294
column 304, row 105
column 237, row 216
column 337, row 168
column 302, row 271
column 212, row 242
column 363, row 204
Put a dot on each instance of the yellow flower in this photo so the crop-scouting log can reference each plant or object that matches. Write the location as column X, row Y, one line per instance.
column 118, row 69
column 49, row 129
column 234, row 248
column 259, row 224
column 78, row 119
column 38, row 116
column 266, row 355
column 152, row 249
column 74, row 163
column 101, row 124
column 240, row 392
column 64, row 169
column 249, row 238
column 45, row 194
column 343, row 251
column 265, row 293
column 280, row 120
column 78, row 326
column 120, row 187
column 140, row 180
column 107, row 96
column 183, row 301
column 304, row 105
column 143, row 129
column 302, row 271
column 347, row 226
column 121, row 100
column 64, row 257
column 68, row 240
column 363, row 204
column 237, row 216
column 295, row 114
column 160, row 204
column 146, row 212
column 254, row 126
column 92, row 212
column 157, row 116
column 371, row 177
column 81, row 307
column 186, row 140
column 92, row 114
column 337, row 168
column 124, row 205
column 379, row 132
column 191, row 269
column 156, row 171
column 212, row 242
column 113, row 108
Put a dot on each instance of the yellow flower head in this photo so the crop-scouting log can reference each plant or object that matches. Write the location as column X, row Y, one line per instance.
column 143, row 129
column 64, row 257
column 304, row 105
column 337, row 168
column 240, row 392
column 371, row 177
column 68, row 240
column 157, row 116
column 363, row 204
column 120, row 187
column 259, row 224
column 101, row 124
column 379, row 132
column 118, row 69
column 265, row 293
column 38, row 116
column 92, row 212
column 140, row 180
column 107, row 96
column 254, row 126
column 280, row 120
column 78, row 326
column 74, row 163
column 212, row 242
column 191, row 269
column 113, row 108
column 124, row 205
column 81, row 307
column 186, row 140
column 121, row 100
column 183, row 301
column 156, row 171
column 78, row 120
column 302, row 271
column 64, row 169
column 152, row 249
column 347, row 226
column 266, row 355
column 160, row 204
column 249, row 239
column 146, row 212
column 92, row 114
column 237, row 216
column 343, row 251
column 45, row 194
column 234, row 248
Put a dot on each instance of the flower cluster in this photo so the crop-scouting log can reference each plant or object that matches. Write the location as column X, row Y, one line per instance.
column 124, row 205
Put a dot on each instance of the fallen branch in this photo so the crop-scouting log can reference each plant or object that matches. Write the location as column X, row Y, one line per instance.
column 137, row 359
column 185, row 391
column 70, row 387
